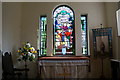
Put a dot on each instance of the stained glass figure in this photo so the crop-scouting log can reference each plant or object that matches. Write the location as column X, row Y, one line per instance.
column 43, row 36
column 84, row 34
column 63, row 30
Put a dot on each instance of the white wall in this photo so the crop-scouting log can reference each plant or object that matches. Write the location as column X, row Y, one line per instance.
column 11, row 28
column 0, row 39
column 111, row 9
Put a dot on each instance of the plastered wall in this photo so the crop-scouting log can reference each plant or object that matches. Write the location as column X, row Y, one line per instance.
column 11, row 20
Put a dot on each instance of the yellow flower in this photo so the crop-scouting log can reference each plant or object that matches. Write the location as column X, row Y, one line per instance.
column 32, row 51
column 22, row 53
column 31, row 48
column 35, row 51
column 24, row 47
column 19, row 51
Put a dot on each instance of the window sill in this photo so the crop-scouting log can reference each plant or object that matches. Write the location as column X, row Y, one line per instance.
column 64, row 58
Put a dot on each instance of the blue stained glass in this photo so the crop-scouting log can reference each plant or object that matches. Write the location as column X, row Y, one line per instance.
column 63, row 30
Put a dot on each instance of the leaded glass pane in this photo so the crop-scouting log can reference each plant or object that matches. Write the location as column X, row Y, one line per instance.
column 63, row 30
column 84, row 33
column 43, row 36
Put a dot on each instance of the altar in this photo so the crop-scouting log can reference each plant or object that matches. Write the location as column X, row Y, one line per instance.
column 64, row 67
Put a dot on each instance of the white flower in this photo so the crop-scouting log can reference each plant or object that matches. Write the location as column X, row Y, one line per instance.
column 33, row 49
column 20, row 56
column 33, row 56
column 28, row 44
column 29, row 54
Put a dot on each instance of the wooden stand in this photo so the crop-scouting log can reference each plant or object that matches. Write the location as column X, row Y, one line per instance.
column 26, row 73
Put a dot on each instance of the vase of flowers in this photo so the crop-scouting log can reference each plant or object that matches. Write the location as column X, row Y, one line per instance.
column 26, row 52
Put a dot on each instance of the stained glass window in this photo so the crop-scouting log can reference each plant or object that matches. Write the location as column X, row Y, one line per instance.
column 84, row 34
column 43, row 35
column 63, row 30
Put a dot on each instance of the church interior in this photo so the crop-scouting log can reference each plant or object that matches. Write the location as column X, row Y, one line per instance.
column 60, row 40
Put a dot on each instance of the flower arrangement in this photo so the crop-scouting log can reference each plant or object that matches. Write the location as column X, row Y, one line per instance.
column 27, row 52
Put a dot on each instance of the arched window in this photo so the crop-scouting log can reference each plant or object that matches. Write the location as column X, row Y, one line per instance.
column 63, row 30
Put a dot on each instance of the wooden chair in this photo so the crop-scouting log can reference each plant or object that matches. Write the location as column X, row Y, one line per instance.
column 9, row 72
